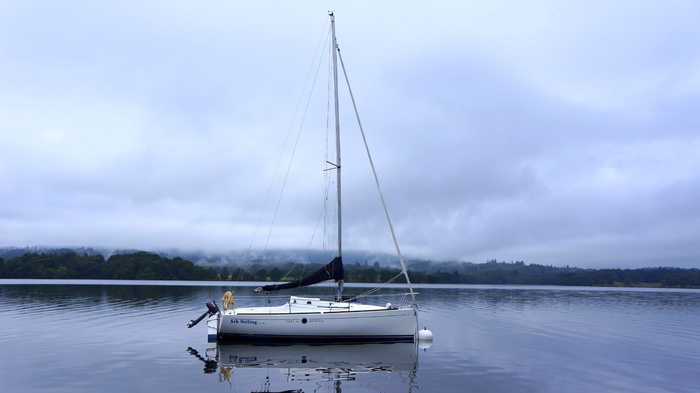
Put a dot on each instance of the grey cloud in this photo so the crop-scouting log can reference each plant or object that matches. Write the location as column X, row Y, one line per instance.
column 553, row 133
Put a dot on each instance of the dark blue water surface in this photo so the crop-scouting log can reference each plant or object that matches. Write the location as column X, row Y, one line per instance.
column 86, row 336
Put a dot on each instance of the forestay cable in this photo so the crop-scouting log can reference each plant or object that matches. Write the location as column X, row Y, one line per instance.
column 376, row 180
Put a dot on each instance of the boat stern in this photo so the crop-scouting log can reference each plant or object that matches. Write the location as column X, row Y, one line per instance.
column 213, row 328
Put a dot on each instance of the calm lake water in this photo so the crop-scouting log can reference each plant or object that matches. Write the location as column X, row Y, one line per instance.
column 86, row 336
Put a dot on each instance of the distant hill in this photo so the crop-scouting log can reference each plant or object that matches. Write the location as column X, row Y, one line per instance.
column 89, row 263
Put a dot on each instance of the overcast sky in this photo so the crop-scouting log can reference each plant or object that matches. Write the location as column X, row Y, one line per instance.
column 549, row 132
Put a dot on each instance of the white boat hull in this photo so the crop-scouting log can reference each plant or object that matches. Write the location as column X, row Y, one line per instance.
column 312, row 320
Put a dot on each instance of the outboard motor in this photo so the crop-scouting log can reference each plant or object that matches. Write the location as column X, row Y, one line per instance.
column 212, row 309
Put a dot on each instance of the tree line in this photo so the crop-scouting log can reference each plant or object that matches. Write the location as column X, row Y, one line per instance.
column 134, row 266
column 150, row 266
column 518, row 273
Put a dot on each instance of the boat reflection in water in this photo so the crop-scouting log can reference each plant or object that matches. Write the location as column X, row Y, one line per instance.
column 306, row 367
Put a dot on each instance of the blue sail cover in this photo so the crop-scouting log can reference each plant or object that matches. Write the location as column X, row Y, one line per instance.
column 332, row 271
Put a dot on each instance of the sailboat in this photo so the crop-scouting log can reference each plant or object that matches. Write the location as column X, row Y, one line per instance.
column 311, row 319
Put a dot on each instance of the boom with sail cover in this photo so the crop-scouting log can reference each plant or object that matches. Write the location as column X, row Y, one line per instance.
column 332, row 271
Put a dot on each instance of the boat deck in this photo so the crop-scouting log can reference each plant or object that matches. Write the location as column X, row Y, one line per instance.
column 308, row 305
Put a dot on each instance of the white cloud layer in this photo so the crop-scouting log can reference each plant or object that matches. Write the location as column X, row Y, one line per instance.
column 549, row 132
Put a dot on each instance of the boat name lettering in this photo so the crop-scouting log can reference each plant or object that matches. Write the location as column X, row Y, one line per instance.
column 250, row 321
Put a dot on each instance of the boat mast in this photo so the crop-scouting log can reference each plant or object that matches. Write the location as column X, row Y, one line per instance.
column 335, row 50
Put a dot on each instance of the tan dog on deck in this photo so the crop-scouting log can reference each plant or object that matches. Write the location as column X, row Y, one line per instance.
column 227, row 300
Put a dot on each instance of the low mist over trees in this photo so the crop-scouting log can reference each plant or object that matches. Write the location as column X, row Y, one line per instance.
column 149, row 266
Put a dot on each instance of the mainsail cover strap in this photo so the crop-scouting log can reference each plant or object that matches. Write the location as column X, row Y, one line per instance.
column 332, row 271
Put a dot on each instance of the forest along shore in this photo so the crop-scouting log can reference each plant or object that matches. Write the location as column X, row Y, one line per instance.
column 151, row 266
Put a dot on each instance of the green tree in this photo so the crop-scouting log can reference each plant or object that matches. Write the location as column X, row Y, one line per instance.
column 367, row 275
column 241, row 275
column 275, row 274
column 224, row 275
